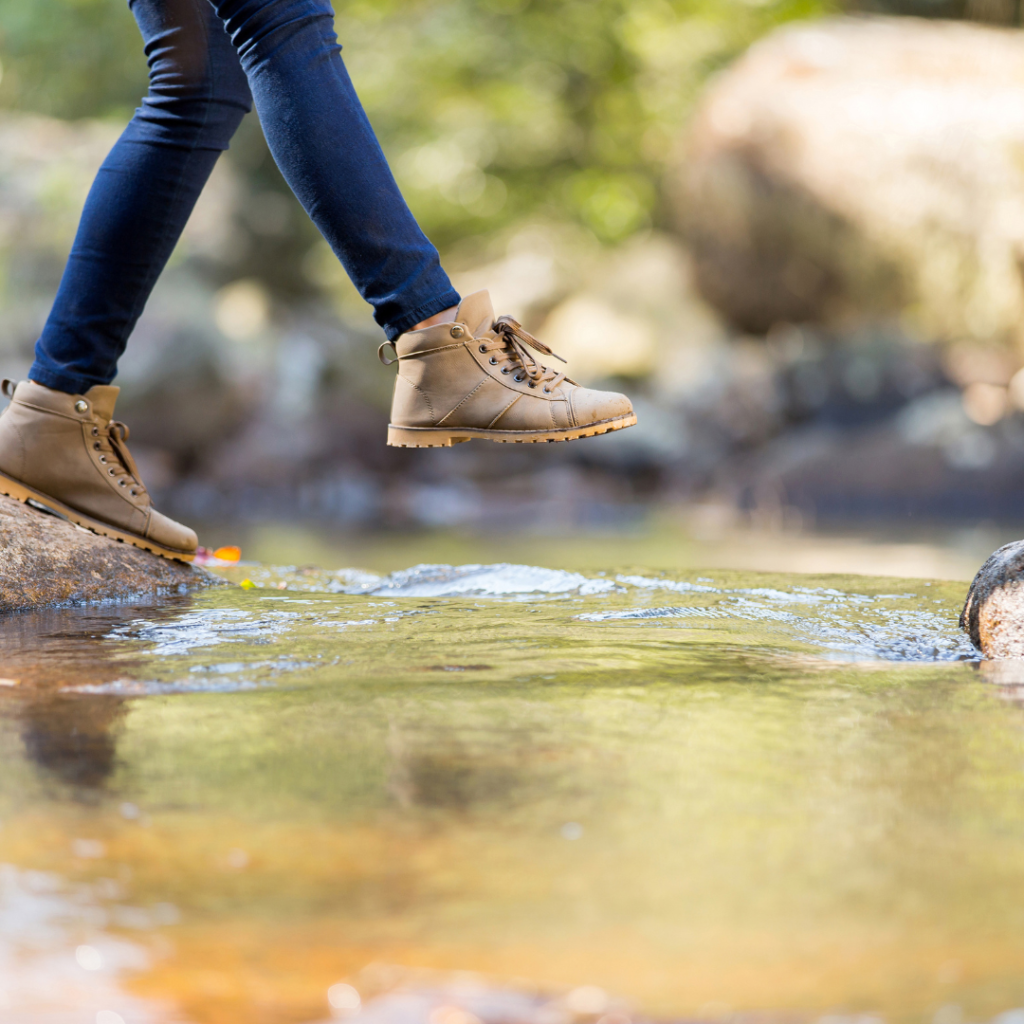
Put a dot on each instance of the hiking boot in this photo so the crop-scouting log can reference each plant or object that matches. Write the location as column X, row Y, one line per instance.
column 474, row 377
column 64, row 453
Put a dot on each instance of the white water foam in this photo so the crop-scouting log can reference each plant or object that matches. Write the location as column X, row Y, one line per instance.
column 156, row 688
column 882, row 634
column 203, row 628
column 501, row 579
column 843, row 625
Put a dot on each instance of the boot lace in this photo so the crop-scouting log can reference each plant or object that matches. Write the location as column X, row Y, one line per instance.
column 508, row 343
column 115, row 457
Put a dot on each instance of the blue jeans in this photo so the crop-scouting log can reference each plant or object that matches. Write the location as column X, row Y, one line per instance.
column 208, row 60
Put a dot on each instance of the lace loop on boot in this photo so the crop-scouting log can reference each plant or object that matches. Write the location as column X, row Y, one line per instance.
column 113, row 442
column 514, row 339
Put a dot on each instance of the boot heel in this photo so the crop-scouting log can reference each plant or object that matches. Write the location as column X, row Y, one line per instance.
column 423, row 437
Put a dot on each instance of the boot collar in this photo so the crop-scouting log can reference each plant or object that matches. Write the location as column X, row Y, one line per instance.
column 102, row 398
column 475, row 314
column 99, row 400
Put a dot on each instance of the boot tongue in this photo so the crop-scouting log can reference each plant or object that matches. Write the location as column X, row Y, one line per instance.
column 476, row 312
column 102, row 398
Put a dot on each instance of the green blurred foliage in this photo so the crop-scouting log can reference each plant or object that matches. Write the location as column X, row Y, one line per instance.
column 492, row 111
column 496, row 111
column 71, row 58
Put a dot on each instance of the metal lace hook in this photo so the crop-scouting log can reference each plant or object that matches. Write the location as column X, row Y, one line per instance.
column 381, row 357
column 7, row 388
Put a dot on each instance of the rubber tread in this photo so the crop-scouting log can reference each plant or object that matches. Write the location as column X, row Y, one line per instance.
column 445, row 437
column 29, row 495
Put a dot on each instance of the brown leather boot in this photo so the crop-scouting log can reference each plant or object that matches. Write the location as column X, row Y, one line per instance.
column 64, row 452
column 475, row 377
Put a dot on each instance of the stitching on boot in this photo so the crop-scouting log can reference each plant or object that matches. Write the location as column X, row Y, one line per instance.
column 431, row 351
column 43, row 409
column 21, row 449
column 503, row 411
column 570, row 410
column 416, row 387
column 464, row 401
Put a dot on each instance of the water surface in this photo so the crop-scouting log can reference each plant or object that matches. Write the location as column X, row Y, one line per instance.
column 508, row 793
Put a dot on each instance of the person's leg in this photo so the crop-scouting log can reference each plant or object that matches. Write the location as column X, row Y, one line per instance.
column 322, row 141
column 59, row 444
column 144, row 192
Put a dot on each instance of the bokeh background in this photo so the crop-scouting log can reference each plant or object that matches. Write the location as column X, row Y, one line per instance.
column 792, row 231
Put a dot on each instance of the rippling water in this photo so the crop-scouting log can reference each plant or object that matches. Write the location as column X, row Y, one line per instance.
column 503, row 793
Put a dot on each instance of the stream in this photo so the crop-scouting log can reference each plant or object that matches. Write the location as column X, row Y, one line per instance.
column 506, row 794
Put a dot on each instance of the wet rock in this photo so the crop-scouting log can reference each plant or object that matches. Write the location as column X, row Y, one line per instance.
column 993, row 614
column 860, row 168
column 48, row 561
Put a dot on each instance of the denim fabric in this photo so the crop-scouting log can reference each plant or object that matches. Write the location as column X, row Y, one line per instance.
column 208, row 61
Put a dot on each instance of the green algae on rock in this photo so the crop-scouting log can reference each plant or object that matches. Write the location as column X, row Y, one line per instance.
column 47, row 561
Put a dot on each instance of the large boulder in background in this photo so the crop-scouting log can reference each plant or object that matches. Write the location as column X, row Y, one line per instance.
column 859, row 168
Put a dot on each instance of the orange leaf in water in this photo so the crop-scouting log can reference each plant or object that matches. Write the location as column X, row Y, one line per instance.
column 229, row 554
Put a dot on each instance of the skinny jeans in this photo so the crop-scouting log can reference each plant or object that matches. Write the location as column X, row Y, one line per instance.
column 209, row 60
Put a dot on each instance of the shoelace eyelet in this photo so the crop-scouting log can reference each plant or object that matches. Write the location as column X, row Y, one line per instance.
column 95, row 431
column 97, row 446
column 483, row 348
column 533, row 384
column 547, row 391
column 103, row 458
column 121, row 483
column 505, row 370
column 134, row 494
column 493, row 361
column 518, row 379
column 112, row 471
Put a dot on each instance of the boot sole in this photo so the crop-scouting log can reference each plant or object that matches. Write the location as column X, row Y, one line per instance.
column 445, row 437
column 30, row 496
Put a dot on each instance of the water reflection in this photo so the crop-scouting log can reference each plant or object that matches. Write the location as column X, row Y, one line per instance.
column 778, row 795
column 73, row 738
column 70, row 738
column 59, row 648
column 431, row 771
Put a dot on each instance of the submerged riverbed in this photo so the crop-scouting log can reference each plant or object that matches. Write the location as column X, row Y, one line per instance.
column 508, row 793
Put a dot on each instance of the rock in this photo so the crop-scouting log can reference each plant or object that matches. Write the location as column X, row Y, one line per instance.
column 859, row 168
column 993, row 614
column 48, row 561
